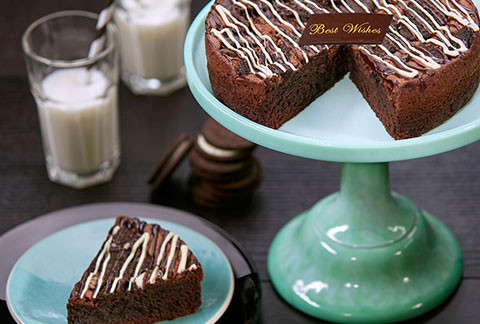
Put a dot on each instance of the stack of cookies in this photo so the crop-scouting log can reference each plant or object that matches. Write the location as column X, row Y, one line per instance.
column 224, row 172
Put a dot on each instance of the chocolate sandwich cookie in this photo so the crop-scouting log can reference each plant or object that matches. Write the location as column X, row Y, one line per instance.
column 204, row 197
column 214, row 153
column 218, row 171
column 221, row 138
column 241, row 187
column 224, row 171
column 170, row 160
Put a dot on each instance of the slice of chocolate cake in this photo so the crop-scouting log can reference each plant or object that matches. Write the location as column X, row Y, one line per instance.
column 141, row 274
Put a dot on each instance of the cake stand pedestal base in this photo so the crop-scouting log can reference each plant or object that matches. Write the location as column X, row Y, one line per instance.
column 365, row 254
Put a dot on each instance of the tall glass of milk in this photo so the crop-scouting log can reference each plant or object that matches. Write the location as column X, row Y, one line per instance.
column 76, row 97
column 151, row 36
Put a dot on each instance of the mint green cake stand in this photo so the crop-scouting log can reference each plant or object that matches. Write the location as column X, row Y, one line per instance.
column 363, row 254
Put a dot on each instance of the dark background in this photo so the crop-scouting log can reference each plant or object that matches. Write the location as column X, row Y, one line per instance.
column 446, row 185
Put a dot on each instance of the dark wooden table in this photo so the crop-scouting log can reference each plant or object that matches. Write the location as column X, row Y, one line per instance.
column 446, row 185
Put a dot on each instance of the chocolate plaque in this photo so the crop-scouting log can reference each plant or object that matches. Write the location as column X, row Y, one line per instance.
column 345, row 28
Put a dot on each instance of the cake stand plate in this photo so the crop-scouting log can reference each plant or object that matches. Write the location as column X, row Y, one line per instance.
column 364, row 254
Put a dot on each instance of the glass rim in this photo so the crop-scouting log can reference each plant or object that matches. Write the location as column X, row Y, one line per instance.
column 85, row 61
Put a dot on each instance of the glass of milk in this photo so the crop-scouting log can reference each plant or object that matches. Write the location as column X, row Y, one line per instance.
column 151, row 36
column 76, row 96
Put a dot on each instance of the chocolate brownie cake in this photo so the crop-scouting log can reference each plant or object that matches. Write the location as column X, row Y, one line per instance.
column 425, row 70
column 142, row 274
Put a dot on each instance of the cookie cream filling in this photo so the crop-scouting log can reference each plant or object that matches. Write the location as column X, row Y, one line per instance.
column 215, row 151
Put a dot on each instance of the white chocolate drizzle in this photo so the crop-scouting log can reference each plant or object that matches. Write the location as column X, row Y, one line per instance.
column 139, row 280
column 332, row 2
column 312, row 4
column 413, row 52
column 145, row 236
column 95, row 280
column 437, row 32
column 299, row 22
column 249, row 60
column 102, row 274
column 156, row 270
column 141, row 259
column 183, row 258
column 472, row 24
column 404, row 20
column 345, row 5
column 294, row 12
column 306, row 8
column 362, row 5
column 275, row 27
column 253, row 58
column 451, row 12
column 248, row 42
column 225, row 13
column 391, row 66
column 105, row 250
column 173, row 248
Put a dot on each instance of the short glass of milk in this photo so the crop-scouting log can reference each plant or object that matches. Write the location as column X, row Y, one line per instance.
column 76, row 96
column 151, row 36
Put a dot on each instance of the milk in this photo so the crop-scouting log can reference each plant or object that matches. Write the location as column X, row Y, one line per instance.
column 152, row 34
column 79, row 120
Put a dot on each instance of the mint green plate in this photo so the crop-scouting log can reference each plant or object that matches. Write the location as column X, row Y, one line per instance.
column 41, row 281
column 339, row 126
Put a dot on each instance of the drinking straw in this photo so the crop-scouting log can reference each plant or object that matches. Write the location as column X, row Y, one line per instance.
column 104, row 18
